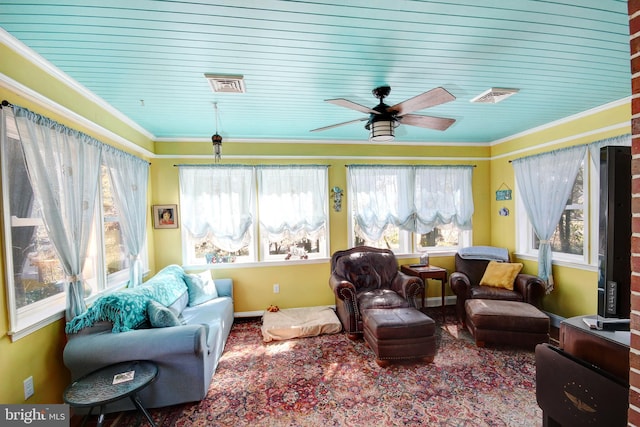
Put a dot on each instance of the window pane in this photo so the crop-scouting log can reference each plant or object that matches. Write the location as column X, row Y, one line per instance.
column 441, row 236
column 568, row 236
column 37, row 270
column 116, row 256
column 294, row 248
column 390, row 238
column 206, row 251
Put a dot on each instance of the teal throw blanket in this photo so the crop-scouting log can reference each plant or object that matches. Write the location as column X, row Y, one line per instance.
column 127, row 309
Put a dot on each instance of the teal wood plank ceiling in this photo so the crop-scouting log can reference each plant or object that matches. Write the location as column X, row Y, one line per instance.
column 148, row 58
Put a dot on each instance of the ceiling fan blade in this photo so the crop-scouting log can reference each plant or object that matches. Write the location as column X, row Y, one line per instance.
column 431, row 98
column 350, row 104
column 339, row 124
column 429, row 122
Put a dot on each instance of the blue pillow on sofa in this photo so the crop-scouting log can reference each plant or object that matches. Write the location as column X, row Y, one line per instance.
column 201, row 288
column 161, row 316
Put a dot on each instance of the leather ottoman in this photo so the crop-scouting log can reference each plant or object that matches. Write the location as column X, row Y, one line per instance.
column 506, row 322
column 397, row 334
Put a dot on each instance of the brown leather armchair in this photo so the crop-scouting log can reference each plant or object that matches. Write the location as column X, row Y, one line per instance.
column 364, row 277
column 464, row 282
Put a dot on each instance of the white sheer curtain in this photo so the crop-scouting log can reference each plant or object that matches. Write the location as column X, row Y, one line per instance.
column 545, row 182
column 64, row 170
column 218, row 200
column 381, row 196
column 129, row 179
column 292, row 200
column 594, row 147
column 413, row 198
column 443, row 195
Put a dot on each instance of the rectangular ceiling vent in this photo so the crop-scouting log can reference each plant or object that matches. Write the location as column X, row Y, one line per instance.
column 494, row 95
column 226, row 83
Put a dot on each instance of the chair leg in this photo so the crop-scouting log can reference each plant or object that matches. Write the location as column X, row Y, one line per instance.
column 383, row 363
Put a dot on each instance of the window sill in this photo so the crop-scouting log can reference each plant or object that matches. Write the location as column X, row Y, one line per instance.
column 22, row 330
column 560, row 263
column 256, row 264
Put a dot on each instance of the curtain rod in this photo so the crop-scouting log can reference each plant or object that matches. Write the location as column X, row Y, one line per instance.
column 244, row 165
column 6, row 103
column 412, row 166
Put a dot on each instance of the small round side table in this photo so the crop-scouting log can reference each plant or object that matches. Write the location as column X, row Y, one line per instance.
column 109, row 384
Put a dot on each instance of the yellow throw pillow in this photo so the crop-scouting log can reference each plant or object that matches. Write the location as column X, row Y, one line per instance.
column 501, row 274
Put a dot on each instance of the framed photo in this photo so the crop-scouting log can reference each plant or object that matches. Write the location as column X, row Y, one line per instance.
column 165, row 216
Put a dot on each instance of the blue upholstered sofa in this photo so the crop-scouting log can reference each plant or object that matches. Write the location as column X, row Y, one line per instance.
column 174, row 319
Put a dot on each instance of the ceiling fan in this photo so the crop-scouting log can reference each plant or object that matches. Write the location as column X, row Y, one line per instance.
column 383, row 119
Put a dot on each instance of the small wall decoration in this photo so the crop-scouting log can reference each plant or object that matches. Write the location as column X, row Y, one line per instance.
column 503, row 192
column 337, row 198
column 165, row 216
column 504, row 211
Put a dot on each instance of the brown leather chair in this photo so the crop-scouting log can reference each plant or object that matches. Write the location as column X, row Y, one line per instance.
column 364, row 277
column 464, row 282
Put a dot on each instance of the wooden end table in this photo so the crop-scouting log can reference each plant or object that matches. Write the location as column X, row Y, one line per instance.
column 428, row 272
column 98, row 388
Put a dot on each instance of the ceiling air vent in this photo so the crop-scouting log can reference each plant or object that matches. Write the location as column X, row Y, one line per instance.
column 494, row 95
column 226, row 83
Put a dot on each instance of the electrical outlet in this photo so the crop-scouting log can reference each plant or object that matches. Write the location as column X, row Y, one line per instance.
column 28, row 388
column 276, row 288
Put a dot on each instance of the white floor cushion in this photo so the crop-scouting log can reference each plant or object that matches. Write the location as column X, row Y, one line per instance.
column 299, row 322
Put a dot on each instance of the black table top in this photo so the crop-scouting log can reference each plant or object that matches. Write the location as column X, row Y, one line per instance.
column 98, row 388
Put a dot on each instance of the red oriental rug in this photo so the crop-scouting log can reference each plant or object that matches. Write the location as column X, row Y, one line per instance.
column 329, row 380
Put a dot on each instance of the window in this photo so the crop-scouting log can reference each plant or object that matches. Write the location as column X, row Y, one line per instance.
column 411, row 208
column 569, row 242
column 234, row 214
column 35, row 279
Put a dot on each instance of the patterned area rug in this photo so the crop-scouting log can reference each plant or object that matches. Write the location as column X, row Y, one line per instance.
column 329, row 380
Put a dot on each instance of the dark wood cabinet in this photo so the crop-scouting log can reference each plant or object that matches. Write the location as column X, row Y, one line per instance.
column 608, row 350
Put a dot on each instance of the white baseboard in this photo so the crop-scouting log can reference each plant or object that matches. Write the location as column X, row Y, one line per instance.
column 259, row 313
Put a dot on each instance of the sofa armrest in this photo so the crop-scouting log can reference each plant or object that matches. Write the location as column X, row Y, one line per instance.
column 531, row 287
column 224, row 287
column 86, row 353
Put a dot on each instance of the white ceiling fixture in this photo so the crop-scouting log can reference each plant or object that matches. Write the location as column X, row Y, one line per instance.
column 226, row 83
column 494, row 95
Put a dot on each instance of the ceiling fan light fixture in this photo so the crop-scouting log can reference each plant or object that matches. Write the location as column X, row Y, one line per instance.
column 381, row 130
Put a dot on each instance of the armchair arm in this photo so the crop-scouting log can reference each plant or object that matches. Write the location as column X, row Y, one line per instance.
column 342, row 288
column 531, row 287
column 460, row 284
column 409, row 287
column 461, row 287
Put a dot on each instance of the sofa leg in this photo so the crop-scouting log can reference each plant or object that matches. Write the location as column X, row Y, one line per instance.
column 428, row 359
column 480, row 344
